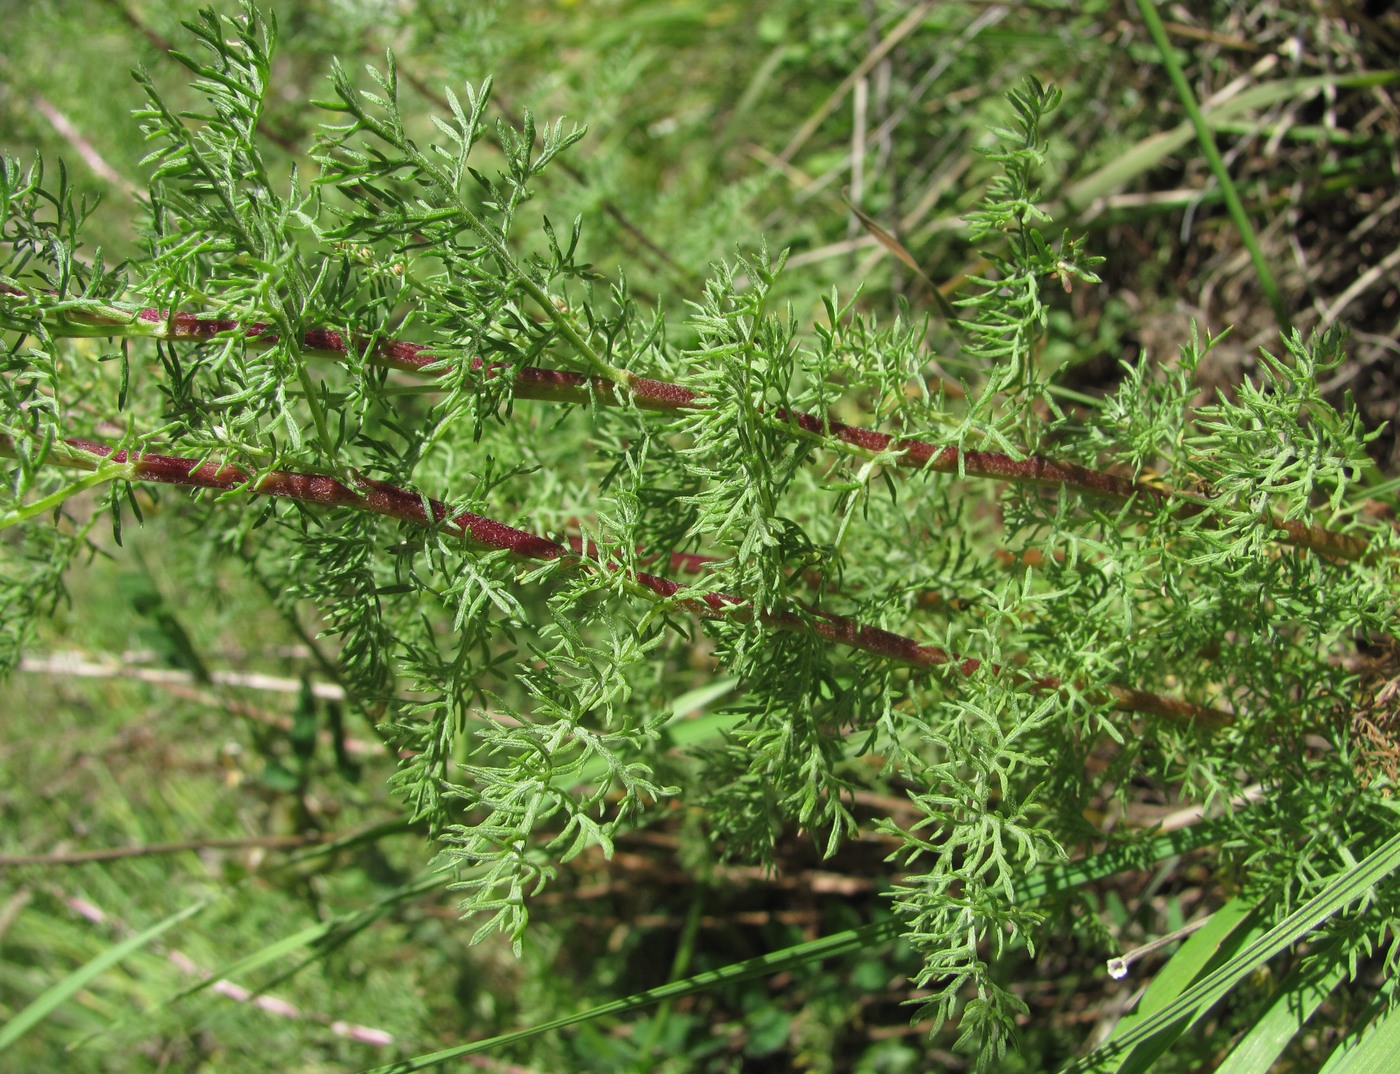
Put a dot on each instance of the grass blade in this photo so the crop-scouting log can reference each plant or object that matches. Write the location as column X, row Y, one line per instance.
column 1373, row 1052
column 64, row 990
column 1345, row 888
column 323, row 936
column 1300, row 994
column 1151, row 151
column 1055, row 879
column 814, row 950
column 1217, row 164
column 1228, row 928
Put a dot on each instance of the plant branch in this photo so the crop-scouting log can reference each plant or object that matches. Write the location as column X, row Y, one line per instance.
column 392, row 501
column 562, row 386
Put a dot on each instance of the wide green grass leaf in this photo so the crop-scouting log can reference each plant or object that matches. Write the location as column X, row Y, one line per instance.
column 1299, row 996
column 1373, row 1053
column 1223, row 934
column 1344, row 889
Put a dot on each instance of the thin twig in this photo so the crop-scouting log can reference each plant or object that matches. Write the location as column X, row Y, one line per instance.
column 76, row 666
column 181, row 684
column 83, row 147
column 147, row 850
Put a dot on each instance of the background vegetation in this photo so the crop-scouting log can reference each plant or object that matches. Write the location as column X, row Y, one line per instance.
column 168, row 710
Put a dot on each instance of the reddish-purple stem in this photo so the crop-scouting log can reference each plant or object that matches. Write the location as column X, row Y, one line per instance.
column 555, row 385
column 393, row 501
